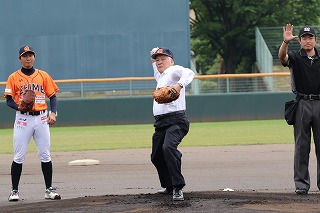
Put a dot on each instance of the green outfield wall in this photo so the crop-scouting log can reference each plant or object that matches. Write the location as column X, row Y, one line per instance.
column 138, row 110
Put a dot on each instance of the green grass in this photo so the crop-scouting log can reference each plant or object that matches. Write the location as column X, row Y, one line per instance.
column 139, row 136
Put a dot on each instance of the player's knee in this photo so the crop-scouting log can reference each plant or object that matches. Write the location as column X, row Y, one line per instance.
column 167, row 148
column 155, row 159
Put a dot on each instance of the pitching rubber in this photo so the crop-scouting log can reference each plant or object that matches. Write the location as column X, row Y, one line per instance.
column 84, row 162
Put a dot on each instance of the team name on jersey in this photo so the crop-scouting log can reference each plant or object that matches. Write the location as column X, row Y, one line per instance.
column 32, row 86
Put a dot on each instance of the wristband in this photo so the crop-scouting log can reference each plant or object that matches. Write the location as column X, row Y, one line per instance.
column 287, row 42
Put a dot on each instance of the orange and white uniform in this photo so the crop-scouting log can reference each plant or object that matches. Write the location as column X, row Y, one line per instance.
column 40, row 82
column 34, row 123
column 31, row 124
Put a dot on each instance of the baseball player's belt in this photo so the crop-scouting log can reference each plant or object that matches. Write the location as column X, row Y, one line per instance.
column 34, row 113
column 158, row 117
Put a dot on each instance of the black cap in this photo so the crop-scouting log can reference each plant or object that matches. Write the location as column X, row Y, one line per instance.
column 307, row 30
column 162, row 51
column 26, row 49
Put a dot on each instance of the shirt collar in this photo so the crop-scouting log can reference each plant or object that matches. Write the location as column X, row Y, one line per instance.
column 303, row 53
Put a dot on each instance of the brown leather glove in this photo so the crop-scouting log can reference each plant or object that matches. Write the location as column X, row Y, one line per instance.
column 165, row 94
column 27, row 102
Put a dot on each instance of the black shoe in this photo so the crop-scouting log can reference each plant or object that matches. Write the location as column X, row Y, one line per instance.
column 165, row 191
column 301, row 191
column 178, row 194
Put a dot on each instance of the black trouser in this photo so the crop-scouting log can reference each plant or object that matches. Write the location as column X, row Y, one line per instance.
column 307, row 118
column 169, row 131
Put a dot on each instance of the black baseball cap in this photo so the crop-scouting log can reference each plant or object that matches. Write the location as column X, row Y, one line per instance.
column 162, row 51
column 307, row 30
column 26, row 49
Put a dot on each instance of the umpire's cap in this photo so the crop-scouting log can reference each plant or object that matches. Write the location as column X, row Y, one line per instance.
column 162, row 51
column 26, row 49
column 307, row 30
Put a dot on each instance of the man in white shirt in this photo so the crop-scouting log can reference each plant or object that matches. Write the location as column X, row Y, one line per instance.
column 171, row 123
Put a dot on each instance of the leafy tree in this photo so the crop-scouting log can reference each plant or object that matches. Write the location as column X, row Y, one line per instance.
column 226, row 28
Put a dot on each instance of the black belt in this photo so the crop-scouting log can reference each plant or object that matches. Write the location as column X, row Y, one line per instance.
column 311, row 97
column 158, row 117
column 34, row 113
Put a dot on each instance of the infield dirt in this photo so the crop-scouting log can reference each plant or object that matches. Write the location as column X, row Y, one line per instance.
column 126, row 181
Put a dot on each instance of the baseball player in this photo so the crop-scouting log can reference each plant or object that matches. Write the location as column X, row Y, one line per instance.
column 34, row 123
column 171, row 123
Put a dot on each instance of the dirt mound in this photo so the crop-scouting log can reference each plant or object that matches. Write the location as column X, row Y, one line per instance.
column 227, row 202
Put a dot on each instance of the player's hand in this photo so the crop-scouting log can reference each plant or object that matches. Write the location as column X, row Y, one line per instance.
column 287, row 33
column 52, row 118
column 152, row 52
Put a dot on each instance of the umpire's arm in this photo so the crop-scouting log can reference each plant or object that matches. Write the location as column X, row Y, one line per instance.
column 283, row 53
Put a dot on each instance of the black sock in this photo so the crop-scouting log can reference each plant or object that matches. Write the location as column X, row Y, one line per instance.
column 47, row 173
column 16, row 170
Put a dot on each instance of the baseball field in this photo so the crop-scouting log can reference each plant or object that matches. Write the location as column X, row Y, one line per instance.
column 254, row 158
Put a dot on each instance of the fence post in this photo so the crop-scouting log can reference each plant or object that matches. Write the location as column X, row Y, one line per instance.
column 228, row 85
column 81, row 90
column 130, row 85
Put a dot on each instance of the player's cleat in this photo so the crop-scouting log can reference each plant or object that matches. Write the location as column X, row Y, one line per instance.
column 14, row 196
column 301, row 191
column 178, row 194
column 165, row 191
column 52, row 194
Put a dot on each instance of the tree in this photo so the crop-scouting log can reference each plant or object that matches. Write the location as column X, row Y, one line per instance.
column 226, row 28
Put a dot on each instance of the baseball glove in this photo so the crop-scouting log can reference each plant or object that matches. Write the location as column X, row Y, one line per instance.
column 28, row 101
column 165, row 95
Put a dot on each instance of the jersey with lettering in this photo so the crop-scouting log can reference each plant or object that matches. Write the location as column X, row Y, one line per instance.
column 40, row 82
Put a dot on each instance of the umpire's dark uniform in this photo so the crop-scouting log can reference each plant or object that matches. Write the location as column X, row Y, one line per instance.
column 305, row 73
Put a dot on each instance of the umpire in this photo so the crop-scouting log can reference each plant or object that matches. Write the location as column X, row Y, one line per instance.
column 304, row 66
column 171, row 123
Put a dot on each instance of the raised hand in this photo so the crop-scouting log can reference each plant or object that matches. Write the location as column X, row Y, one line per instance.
column 287, row 33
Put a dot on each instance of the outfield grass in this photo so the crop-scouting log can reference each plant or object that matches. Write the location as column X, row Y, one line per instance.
column 139, row 136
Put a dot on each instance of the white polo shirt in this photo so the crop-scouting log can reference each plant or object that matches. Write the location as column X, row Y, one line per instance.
column 173, row 75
